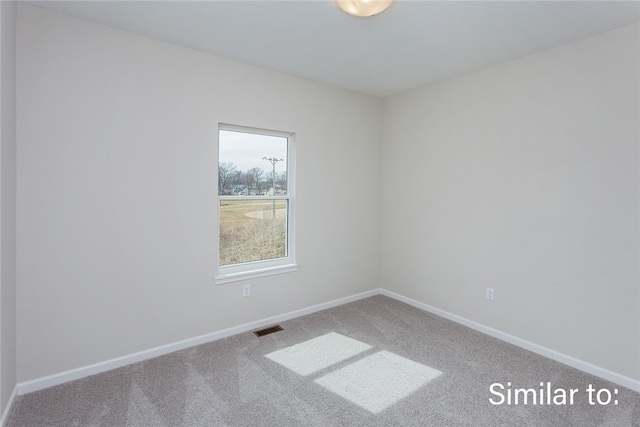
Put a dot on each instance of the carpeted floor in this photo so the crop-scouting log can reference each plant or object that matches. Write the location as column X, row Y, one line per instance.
column 374, row 362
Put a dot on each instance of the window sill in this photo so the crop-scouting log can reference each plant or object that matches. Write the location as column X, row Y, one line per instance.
column 253, row 274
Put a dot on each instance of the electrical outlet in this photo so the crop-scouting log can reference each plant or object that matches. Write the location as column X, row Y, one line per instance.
column 490, row 294
column 246, row 290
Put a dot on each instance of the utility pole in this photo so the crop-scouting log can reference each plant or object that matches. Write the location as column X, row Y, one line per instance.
column 273, row 162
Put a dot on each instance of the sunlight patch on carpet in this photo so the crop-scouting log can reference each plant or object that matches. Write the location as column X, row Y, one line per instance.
column 318, row 353
column 378, row 381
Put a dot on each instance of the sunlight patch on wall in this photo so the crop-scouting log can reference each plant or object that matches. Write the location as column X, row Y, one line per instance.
column 318, row 353
column 378, row 381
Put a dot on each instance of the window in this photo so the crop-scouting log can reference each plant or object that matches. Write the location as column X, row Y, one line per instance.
column 255, row 203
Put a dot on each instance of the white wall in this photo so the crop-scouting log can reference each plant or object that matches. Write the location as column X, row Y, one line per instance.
column 117, row 164
column 7, row 201
column 524, row 177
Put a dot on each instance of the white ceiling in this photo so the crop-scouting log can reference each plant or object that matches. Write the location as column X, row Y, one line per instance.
column 412, row 44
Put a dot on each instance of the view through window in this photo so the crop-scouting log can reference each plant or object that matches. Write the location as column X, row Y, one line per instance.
column 254, row 197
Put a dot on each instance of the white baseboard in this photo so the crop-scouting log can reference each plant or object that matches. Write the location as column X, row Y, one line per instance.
column 543, row 351
column 74, row 374
column 7, row 409
column 63, row 377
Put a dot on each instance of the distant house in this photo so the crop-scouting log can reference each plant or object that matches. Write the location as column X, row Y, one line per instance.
column 279, row 191
column 240, row 189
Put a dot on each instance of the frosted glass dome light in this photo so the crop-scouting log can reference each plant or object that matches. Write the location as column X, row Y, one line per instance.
column 364, row 7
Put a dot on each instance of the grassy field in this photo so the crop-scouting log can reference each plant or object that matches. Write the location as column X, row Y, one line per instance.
column 245, row 238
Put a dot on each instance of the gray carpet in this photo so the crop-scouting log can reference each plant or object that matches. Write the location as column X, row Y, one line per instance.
column 230, row 382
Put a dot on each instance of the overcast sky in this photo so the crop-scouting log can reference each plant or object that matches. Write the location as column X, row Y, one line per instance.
column 246, row 150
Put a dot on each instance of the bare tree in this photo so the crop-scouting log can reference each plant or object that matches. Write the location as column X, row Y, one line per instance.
column 249, row 180
column 256, row 174
column 281, row 180
column 227, row 175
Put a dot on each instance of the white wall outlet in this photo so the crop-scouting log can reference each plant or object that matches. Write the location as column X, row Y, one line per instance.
column 490, row 294
column 246, row 290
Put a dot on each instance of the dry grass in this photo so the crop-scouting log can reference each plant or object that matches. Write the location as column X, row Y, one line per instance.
column 246, row 239
column 235, row 210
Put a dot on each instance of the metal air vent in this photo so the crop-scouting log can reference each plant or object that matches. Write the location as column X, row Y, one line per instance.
column 267, row 331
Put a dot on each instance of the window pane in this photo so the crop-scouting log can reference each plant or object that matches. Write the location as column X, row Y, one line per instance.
column 252, row 230
column 251, row 164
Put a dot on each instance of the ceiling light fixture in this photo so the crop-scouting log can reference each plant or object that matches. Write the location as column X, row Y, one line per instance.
column 363, row 7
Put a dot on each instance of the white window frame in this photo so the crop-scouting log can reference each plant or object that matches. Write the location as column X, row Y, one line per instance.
column 255, row 269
